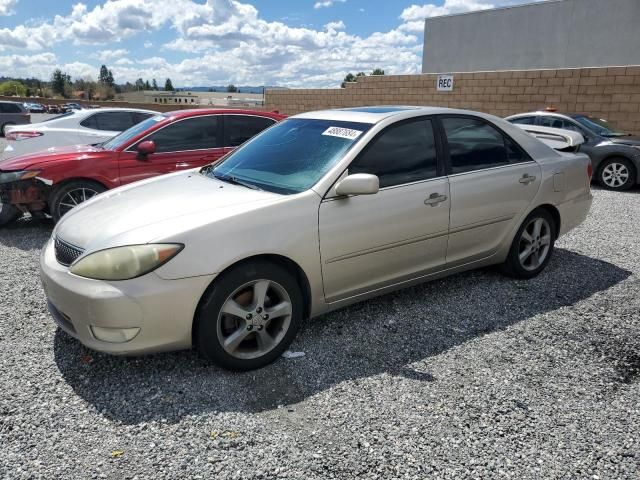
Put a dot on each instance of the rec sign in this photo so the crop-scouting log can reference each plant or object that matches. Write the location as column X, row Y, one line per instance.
column 444, row 83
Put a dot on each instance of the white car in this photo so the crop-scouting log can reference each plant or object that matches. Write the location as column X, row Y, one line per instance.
column 80, row 127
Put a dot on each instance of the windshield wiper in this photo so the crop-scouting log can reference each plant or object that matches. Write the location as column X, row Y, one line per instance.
column 234, row 180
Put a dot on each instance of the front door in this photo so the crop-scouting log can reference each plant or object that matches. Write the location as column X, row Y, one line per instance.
column 187, row 143
column 492, row 183
column 372, row 241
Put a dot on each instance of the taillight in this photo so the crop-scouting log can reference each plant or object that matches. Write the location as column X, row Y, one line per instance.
column 590, row 170
column 17, row 136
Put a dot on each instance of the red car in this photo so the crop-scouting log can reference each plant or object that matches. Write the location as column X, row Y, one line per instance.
column 56, row 180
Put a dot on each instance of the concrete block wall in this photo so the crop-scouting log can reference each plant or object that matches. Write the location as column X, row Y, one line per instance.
column 610, row 92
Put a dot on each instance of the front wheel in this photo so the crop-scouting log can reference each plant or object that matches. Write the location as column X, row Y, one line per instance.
column 72, row 194
column 249, row 316
column 617, row 174
column 532, row 246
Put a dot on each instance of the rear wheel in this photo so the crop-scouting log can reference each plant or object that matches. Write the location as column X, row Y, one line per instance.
column 8, row 213
column 70, row 195
column 250, row 316
column 532, row 246
column 3, row 127
column 617, row 174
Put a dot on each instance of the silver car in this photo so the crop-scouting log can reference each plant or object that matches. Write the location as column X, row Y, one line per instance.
column 320, row 211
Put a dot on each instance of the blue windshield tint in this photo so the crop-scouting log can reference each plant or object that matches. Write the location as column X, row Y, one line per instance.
column 291, row 156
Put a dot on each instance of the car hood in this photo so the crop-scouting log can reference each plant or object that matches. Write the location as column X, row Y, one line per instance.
column 53, row 154
column 629, row 140
column 161, row 207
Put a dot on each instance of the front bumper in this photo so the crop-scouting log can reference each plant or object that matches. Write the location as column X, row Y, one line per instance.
column 162, row 310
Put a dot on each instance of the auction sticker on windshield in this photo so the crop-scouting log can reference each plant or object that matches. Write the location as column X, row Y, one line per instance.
column 347, row 133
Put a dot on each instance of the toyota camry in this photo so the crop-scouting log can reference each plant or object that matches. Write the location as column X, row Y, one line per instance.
column 317, row 212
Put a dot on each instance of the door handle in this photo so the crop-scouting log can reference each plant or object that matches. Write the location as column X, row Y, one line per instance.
column 434, row 199
column 527, row 179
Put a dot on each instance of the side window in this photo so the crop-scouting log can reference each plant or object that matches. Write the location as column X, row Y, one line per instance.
column 10, row 108
column 402, row 153
column 139, row 117
column 113, row 121
column 524, row 121
column 90, row 122
column 553, row 122
column 240, row 128
column 476, row 145
column 197, row 133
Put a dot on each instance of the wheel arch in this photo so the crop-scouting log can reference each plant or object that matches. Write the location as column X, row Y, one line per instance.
column 55, row 188
column 555, row 214
column 285, row 262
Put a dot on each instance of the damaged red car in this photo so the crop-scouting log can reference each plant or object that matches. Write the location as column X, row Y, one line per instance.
column 56, row 180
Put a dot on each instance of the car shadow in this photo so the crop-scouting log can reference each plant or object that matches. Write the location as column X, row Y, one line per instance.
column 383, row 335
column 26, row 233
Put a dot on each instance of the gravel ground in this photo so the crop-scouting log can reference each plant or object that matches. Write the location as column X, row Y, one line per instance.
column 474, row 376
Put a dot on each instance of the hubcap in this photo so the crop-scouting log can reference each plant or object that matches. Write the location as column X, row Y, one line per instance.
column 254, row 319
column 535, row 243
column 615, row 175
column 74, row 198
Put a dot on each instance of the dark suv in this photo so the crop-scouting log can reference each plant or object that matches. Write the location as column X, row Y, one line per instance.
column 13, row 113
column 615, row 155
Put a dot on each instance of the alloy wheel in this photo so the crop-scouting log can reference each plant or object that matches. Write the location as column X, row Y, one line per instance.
column 254, row 319
column 75, row 197
column 535, row 244
column 615, row 175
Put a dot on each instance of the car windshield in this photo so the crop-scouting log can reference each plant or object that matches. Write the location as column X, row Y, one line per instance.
column 123, row 137
column 600, row 126
column 289, row 157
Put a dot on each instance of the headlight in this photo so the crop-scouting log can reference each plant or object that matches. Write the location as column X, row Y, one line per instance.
column 124, row 263
column 7, row 177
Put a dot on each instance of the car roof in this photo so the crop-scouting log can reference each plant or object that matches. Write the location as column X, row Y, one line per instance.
column 551, row 114
column 116, row 109
column 217, row 111
column 376, row 114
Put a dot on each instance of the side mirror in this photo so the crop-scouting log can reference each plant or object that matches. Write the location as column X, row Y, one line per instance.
column 146, row 148
column 358, row 184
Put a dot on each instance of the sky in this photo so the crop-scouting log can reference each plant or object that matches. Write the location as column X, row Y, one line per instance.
column 289, row 43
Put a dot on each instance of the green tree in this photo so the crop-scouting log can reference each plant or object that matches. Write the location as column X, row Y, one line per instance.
column 378, row 71
column 110, row 81
column 60, row 83
column 139, row 84
column 154, row 84
column 350, row 77
column 147, row 86
column 103, row 77
column 13, row 87
column 168, row 86
column 231, row 88
column 361, row 74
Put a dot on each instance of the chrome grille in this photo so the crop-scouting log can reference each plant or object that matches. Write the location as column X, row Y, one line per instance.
column 66, row 253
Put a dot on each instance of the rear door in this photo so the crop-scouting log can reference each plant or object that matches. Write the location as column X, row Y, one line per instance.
column 183, row 144
column 239, row 128
column 492, row 183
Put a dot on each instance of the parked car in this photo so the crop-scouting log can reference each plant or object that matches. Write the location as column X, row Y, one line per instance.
column 615, row 154
column 12, row 113
column 53, row 109
column 35, row 107
column 57, row 180
column 320, row 211
column 68, row 107
column 82, row 127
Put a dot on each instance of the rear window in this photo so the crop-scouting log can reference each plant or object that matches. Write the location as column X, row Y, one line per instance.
column 10, row 107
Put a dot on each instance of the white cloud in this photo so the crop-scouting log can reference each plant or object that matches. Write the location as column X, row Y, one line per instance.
column 223, row 41
column 109, row 55
column 326, row 3
column 339, row 25
column 7, row 7
column 41, row 65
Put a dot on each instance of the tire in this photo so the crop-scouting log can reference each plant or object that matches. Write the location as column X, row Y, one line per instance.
column 3, row 127
column 520, row 265
column 617, row 174
column 71, row 194
column 8, row 213
column 252, row 341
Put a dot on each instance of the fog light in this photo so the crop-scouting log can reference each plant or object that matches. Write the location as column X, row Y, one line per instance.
column 114, row 335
